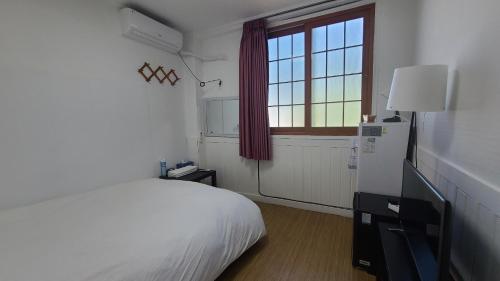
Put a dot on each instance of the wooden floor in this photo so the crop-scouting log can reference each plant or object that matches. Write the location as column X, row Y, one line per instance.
column 300, row 245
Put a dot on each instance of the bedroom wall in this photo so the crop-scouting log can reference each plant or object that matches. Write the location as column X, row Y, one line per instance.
column 395, row 31
column 74, row 113
column 459, row 148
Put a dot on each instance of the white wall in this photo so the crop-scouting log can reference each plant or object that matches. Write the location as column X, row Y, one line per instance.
column 395, row 30
column 460, row 147
column 74, row 112
column 192, row 93
column 464, row 35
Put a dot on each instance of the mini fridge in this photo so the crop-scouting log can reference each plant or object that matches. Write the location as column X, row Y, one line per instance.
column 381, row 151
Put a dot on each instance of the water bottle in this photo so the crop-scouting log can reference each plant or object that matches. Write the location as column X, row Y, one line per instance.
column 163, row 168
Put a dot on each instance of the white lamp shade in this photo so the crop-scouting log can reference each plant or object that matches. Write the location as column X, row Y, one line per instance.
column 419, row 88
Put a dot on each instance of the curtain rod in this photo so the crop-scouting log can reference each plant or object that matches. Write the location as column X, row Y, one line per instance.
column 312, row 5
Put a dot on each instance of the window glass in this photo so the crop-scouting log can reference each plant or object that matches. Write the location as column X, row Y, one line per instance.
column 334, row 114
column 285, row 116
column 273, row 95
column 285, row 94
column 285, row 47
column 298, row 44
column 336, row 36
column 319, row 39
column 354, row 32
column 353, row 60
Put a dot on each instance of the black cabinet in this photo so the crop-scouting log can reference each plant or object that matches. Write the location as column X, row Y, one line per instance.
column 369, row 210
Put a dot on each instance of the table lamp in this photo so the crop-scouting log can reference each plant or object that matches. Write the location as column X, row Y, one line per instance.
column 419, row 88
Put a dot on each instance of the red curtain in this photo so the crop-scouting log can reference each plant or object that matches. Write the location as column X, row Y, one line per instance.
column 255, row 135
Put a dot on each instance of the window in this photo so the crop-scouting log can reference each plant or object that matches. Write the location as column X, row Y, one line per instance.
column 320, row 73
column 286, row 81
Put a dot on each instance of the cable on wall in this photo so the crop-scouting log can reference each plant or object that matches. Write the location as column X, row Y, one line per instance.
column 202, row 83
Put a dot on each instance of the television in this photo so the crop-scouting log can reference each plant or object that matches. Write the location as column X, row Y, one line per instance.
column 425, row 217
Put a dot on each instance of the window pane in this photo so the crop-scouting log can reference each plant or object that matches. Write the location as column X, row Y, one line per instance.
column 319, row 39
column 318, row 90
column 336, row 62
column 298, row 116
column 285, row 70
column 298, row 93
column 272, row 46
column 298, row 68
column 273, row 72
column 298, row 44
column 273, row 116
column 273, row 95
column 334, row 114
column 353, row 87
column 335, row 89
column 285, row 94
column 319, row 65
column 354, row 32
column 336, row 36
column 318, row 115
column 352, row 115
column 285, row 47
column 354, row 60
column 285, row 116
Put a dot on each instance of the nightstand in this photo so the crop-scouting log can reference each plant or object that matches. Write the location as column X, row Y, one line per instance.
column 197, row 176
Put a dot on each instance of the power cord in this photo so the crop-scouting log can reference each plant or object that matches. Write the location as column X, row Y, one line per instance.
column 202, row 83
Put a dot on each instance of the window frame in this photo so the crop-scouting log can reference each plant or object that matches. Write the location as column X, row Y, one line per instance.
column 368, row 13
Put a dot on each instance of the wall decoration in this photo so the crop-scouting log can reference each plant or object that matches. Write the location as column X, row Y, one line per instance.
column 162, row 72
column 146, row 67
column 148, row 73
column 172, row 77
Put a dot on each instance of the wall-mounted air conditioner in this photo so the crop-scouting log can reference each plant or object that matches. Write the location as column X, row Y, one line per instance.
column 141, row 28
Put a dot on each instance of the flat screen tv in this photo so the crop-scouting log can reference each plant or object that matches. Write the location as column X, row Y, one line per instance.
column 425, row 217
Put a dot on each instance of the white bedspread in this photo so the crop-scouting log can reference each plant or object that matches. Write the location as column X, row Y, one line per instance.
column 141, row 231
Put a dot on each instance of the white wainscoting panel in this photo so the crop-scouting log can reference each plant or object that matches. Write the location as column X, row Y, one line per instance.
column 307, row 169
column 233, row 172
column 310, row 170
column 476, row 218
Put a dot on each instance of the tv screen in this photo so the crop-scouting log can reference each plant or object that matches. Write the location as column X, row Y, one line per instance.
column 425, row 217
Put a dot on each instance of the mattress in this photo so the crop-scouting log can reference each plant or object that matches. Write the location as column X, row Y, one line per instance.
column 141, row 231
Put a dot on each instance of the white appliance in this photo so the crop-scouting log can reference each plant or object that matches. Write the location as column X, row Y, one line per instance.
column 177, row 173
column 141, row 28
column 381, row 152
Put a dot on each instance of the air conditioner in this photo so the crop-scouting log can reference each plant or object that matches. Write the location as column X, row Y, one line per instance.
column 141, row 28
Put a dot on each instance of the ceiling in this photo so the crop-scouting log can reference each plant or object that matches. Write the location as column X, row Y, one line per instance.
column 197, row 15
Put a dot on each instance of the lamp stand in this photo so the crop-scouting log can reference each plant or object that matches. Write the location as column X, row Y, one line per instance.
column 412, row 139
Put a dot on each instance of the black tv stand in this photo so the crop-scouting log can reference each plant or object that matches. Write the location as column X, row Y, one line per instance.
column 397, row 261
column 383, row 247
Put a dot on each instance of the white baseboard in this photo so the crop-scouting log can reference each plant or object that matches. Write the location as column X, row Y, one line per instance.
column 298, row 205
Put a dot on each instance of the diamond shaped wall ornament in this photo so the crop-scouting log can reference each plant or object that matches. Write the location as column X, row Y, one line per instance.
column 160, row 72
column 172, row 77
column 143, row 71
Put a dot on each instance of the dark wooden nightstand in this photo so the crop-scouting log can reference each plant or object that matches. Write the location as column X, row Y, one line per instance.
column 197, row 176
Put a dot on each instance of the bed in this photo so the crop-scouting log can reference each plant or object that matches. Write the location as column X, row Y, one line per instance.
column 147, row 230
